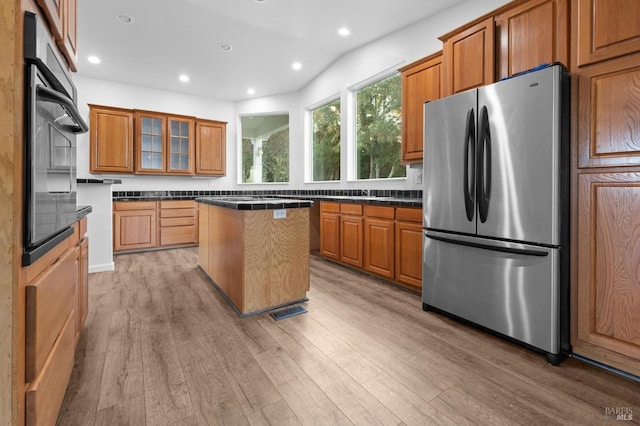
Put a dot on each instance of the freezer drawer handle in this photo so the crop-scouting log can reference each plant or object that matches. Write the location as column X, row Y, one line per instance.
column 469, row 149
column 525, row 252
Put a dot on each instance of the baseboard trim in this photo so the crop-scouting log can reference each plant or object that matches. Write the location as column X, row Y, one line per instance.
column 102, row 268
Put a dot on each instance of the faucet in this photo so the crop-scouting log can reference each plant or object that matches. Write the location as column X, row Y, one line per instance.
column 365, row 191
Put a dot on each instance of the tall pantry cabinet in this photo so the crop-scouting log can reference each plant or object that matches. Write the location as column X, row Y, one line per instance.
column 606, row 77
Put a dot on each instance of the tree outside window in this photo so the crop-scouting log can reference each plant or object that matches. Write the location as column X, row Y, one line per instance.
column 325, row 122
column 265, row 148
column 378, row 137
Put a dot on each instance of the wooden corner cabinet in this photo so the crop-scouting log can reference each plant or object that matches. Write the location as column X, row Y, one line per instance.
column 110, row 140
column 210, row 147
column 421, row 82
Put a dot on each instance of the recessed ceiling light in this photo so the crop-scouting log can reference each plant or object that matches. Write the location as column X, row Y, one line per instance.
column 251, row 91
column 125, row 19
column 225, row 47
column 184, row 78
column 260, row 1
column 93, row 59
column 296, row 66
column 344, row 31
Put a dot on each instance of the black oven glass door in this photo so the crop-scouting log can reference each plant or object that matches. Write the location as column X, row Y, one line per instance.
column 50, row 166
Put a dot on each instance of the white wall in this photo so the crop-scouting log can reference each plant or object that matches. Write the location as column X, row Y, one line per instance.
column 384, row 54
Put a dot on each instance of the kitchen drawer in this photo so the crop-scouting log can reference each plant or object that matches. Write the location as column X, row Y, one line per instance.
column 178, row 212
column 134, row 205
column 177, row 221
column 45, row 394
column 409, row 215
column 348, row 208
column 379, row 212
column 178, row 235
column 326, row 206
column 49, row 301
column 177, row 204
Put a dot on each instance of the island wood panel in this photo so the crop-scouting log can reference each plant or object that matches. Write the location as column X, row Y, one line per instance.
column 276, row 258
column 609, row 113
column 203, row 236
column 533, row 33
column 211, row 147
column 421, row 82
column 50, row 299
column 226, row 252
column 609, row 249
column 469, row 58
column 607, row 29
column 44, row 396
column 110, row 140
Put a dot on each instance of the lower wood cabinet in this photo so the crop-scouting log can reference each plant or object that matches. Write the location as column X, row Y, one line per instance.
column 144, row 225
column 608, row 289
column 381, row 240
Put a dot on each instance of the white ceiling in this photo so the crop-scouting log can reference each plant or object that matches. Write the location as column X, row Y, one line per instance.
column 173, row 37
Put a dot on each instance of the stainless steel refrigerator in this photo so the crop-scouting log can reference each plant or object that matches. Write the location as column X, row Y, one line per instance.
column 496, row 201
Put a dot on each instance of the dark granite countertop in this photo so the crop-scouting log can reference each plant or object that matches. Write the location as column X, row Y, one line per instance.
column 100, row 181
column 82, row 211
column 357, row 199
column 254, row 203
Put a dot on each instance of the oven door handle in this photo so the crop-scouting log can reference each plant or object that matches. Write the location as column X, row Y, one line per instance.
column 49, row 95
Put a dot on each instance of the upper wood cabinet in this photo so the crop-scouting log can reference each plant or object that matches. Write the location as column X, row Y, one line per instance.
column 531, row 34
column 111, row 140
column 53, row 10
column 421, row 82
column 468, row 57
column 211, row 147
column 609, row 113
column 180, row 145
column 68, row 41
column 607, row 29
column 151, row 142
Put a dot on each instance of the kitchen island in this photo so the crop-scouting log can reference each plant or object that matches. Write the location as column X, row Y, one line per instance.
column 255, row 250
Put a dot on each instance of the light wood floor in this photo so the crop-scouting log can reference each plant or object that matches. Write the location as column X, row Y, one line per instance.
column 161, row 347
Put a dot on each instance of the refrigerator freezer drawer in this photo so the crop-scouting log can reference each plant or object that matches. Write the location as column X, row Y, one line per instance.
column 512, row 289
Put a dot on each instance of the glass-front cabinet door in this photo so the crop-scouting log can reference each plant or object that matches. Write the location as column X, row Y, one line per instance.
column 151, row 142
column 180, row 157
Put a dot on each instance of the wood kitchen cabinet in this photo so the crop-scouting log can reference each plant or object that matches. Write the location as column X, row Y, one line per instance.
column 68, row 43
column 379, row 240
column 330, row 230
column 408, row 247
column 421, row 82
column 134, row 225
column 532, row 33
column 351, row 234
column 607, row 29
column 150, row 142
column 110, row 140
column 211, row 147
column 468, row 57
column 608, row 275
column 608, row 121
column 180, row 145
column 177, row 222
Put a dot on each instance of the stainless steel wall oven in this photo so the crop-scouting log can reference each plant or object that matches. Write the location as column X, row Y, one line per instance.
column 51, row 122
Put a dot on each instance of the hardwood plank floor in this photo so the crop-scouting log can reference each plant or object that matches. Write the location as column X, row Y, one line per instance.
column 162, row 347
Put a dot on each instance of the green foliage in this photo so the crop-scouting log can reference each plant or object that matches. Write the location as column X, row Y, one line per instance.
column 378, row 118
column 275, row 157
column 247, row 159
column 326, row 141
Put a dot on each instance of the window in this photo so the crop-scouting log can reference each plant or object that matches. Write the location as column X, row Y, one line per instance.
column 265, row 148
column 378, row 137
column 325, row 124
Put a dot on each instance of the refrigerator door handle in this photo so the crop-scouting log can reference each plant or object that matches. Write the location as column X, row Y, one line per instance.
column 469, row 150
column 484, row 166
column 510, row 250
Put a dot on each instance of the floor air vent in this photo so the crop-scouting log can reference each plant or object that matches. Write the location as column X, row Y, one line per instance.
column 289, row 312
